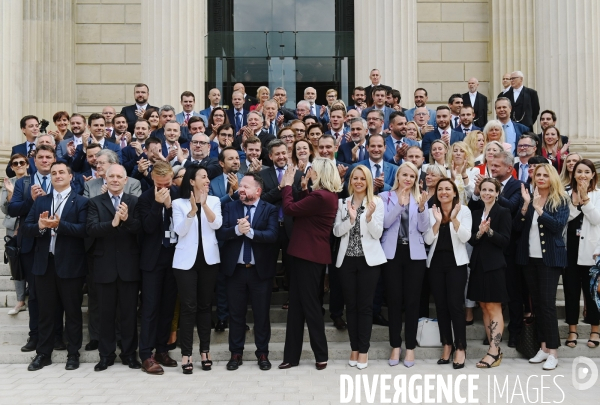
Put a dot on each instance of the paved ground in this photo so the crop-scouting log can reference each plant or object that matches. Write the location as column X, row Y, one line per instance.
column 302, row 385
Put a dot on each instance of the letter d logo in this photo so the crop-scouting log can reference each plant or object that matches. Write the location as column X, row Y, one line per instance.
column 588, row 368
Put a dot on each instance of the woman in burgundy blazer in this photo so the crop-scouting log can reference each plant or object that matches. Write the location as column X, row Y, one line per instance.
column 314, row 215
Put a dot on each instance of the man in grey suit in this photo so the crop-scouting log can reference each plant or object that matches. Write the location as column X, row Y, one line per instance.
column 188, row 101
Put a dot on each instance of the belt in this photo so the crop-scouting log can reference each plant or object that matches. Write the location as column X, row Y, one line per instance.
column 281, row 223
column 402, row 242
column 245, row 265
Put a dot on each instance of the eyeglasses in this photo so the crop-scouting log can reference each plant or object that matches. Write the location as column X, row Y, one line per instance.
column 203, row 143
column 17, row 163
column 525, row 146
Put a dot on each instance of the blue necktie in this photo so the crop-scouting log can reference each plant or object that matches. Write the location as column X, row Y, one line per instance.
column 247, row 244
column 524, row 172
column 377, row 171
column 238, row 121
column 361, row 153
column 44, row 184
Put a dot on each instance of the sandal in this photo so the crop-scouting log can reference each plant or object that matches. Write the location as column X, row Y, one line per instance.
column 286, row 305
column 206, row 364
column 572, row 343
column 189, row 367
column 497, row 360
column 592, row 344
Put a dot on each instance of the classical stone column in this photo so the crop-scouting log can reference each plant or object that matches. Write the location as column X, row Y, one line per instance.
column 173, row 49
column 11, row 68
column 48, row 57
column 386, row 39
column 512, row 34
column 568, row 64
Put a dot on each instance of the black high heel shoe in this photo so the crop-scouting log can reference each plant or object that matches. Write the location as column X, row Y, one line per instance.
column 189, row 367
column 446, row 361
column 572, row 343
column 458, row 366
column 206, row 364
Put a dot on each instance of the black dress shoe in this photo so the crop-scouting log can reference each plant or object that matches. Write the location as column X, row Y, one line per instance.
column 234, row 362
column 105, row 362
column 93, row 345
column 264, row 363
column 221, row 326
column 59, row 344
column 380, row 320
column 30, row 346
column 285, row 366
column 132, row 362
column 39, row 362
column 339, row 323
column 72, row 362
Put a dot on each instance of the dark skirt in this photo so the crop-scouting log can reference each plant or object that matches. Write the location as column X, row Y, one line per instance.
column 489, row 286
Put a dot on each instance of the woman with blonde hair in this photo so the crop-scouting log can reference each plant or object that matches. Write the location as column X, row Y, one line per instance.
column 489, row 151
column 567, row 169
column 460, row 165
column 413, row 132
column 262, row 94
column 493, row 131
column 405, row 221
column 437, row 155
column 433, row 174
column 359, row 224
column 541, row 251
column 476, row 142
column 314, row 214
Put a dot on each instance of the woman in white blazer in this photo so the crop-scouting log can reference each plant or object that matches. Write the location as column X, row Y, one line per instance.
column 583, row 238
column 196, row 216
column 359, row 222
column 447, row 262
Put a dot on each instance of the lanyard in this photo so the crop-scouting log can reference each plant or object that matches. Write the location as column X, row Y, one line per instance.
column 48, row 182
column 53, row 210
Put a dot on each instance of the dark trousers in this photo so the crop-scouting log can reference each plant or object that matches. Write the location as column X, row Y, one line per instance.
column 403, row 279
column 425, row 296
column 575, row 279
column 93, row 310
column 448, row 287
column 125, row 295
column 52, row 292
column 283, row 242
column 358, row 285
column 378, row 297
column 243, row 285
column 336, row 293
column 196, row 287
column 517, row 290
column 159, row 292
column 305, row 305
column 542, row 282
column 222, row 305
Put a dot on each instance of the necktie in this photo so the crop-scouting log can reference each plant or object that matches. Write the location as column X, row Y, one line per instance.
column 524, row 172
column 398, row 144
column 455, row 122
column 187, row 117
column 31, row 149
column 123, row 142
column 313, row 110
column 272, row 129
column 44, row 184
column 166, row 226
column 361, row 153
column 377, row 170
column 247, row 245
column 115, row 199
column 279, row 177
column 466, row 130
column 337, row 135
column 238, row 121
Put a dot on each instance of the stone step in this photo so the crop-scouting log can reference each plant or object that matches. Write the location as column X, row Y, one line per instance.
column 11, row 354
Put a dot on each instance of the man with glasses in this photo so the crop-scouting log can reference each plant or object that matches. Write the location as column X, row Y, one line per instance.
column 199, row 154
column 526, row 149
column 224, row 139
column 302, row 109
column 420, row 101
column 505, row 85
column 524, row 100
column 280, row 96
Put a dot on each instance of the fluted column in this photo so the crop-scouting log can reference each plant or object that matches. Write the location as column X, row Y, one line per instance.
column 48, row 57
column 568, row 64
column 386, row 39
column 173, row 49
column 11, row 53
column 512, row 33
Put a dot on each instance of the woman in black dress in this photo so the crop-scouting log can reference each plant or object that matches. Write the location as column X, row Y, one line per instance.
column 490, row 235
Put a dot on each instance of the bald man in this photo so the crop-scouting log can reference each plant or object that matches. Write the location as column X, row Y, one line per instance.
column 478, row 101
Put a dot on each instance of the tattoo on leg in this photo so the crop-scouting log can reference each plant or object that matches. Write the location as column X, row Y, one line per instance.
column 495, row 337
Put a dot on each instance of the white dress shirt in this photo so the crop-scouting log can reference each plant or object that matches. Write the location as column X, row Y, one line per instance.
column 516, row 93
column 374, row 169
column 250, row 233
column 472, row 97
column 58, row 203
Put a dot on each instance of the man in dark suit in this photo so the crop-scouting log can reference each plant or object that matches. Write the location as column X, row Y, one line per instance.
column 249, row 101
column 379, row 104
column 466, row 121
column 359, row 99
column 97, row 128
column 512, row 130
column 199, row 153
column 478, row 101
column 396, row 144
column 249, row 233
column 280, row 95
column 250, row 156
column 354, row 151
column 525, row 101
column 375, row 77
column 159, row 288
column 30, row 127
column 255, row 127
column 120, row 134
column 442, row 130
column 383, row 173
column 112, row 224
column 237, row 114
column 226, row 186
column 141, row 92
column 136, row 149
column 57, row 222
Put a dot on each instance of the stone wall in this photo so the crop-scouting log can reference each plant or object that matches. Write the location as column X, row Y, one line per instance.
column 107, row 53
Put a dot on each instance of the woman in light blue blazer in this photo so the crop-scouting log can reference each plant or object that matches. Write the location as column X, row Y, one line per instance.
column 405, row 220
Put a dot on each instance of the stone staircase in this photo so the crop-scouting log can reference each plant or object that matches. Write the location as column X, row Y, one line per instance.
column 14, row 331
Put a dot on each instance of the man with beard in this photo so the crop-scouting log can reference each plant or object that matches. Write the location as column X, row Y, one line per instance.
column 97, row 128
column 121, row 136
column 397, row 144
column 252, row 162
column 420, row 101
column 135, row 150
column 223, row 139
column 141, row 92
column 443, row 130
column 356, row 150
column 466, row 121
column 66, row 148
column 359, row 97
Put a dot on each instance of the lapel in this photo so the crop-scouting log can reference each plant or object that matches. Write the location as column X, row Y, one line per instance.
column 68, row 204
column 107, row 202
column 222, row 190
column 257, row 212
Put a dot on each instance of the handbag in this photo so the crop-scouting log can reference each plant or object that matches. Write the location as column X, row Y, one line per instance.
column 11, row 256
column 528, row 344
column 428, row 333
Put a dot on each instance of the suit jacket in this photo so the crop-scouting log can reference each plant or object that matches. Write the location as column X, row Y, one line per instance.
column 370, row 232
column 387, row 111
column 431, row 136
column 130, row 158
column 551, row 225
column 527, row 107
column 184, row 136
column 410, row 115
column 369, row 90
column 69, row 248
column 265, row 227
column 418, row 224
column 129, row 113
column 344, row 154
column 314, row 214
column 92, row 187
column 488, row 252
column 480, row 108
column 217, row 188
column 187, row 232
column 180, row 117
column 520, row 129
column 244, row 166
column 272, row 195
column 264, row 136
column 389, row 173
column 510, row 198
column 79, row 162
column 115, row 250
column 390, row 148
column 231, row 115
column 249, row 101
column 214, row 152
column 459, row 238
column 211, row 165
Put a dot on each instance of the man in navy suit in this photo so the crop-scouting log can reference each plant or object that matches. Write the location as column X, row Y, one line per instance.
column 396, row 144
column 237, row 114
column 466, row 121
column 199, row 153
column 384, row 173
column 188, row 101
column 355, row 151
column 214, row 98
column 455, row 103
column 224, row 138
column 310, row 96
column 443, row 130
column 379, row 104
column 358, row 97
column 141, row 92
column 478, row 101
column 512, row 130
column 226, row 186
column 96, row 125
column 136, row 149
column 30, row 127
column 249, row 232
column 337, row 118
column 57, row 222
column 249, row 101
column 66, row 148
column 167, row 114
column 375, row 77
